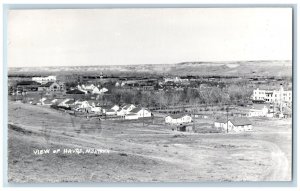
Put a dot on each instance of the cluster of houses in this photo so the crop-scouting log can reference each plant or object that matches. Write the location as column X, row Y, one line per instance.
column 87, row 89
column 51, row 84
column 127, row 111
column 41, row 84
column 91, row 88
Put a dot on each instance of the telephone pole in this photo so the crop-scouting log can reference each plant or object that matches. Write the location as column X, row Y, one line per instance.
column 194, row 120
column 227, row 118
column 143, row 115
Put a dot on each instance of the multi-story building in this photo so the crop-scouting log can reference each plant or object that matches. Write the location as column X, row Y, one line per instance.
column 273, row 96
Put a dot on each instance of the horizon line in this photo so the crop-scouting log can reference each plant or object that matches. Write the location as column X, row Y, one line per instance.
column 212, row 62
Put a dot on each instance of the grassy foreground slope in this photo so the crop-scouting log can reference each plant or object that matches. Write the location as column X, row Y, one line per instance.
column 152, row 153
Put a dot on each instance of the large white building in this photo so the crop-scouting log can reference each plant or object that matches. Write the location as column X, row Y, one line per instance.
column 44, row 80
column 273, row 96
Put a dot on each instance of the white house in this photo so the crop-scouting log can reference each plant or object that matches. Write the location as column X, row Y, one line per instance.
column 239, row 124
column 82, row 104
column 234, row 125
column 220, row 123
column 178, row 119
column 91, row 89
column 103, row 90
column 63, row 103
column 81, row 88
column 95, row 90
column 70, row 103
column 125, row 109
column 47, row 102
column 258, row 110
column 115, row 108
column 137, row 113
column 96, row 109
column 110, row 112
column 88, row 87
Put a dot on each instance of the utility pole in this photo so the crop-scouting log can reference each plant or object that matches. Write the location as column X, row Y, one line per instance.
column 194, row 120
column 227, row 118
column 143, row 115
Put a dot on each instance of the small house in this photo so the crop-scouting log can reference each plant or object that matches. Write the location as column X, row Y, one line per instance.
column 115, row 108
column 239, row 124
column 125, row 109
column 110, row 112
column 137, row 113
column 258, row 110
column 70, row 103
column 185, row 128
column 220, row 123
column 178, row 119
column 51, row 86
column 82, row 104
column 96, row 109
column 63, row 103
column 47, row 102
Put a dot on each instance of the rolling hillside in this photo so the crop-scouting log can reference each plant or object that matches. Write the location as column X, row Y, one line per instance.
column 244, row 68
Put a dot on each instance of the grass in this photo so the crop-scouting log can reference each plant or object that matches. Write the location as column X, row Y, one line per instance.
column 153, row 153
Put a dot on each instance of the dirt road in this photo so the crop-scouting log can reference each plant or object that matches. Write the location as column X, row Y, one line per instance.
column 138, row 153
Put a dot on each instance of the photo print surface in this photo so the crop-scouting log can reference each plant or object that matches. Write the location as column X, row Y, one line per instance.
column 149, row 95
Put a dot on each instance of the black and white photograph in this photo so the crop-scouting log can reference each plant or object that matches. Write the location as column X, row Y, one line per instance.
column 150, row 95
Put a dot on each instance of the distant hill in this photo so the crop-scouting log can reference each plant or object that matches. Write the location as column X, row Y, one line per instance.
column 243, row 68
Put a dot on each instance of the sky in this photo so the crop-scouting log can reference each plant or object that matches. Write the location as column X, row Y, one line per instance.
column 84, row 37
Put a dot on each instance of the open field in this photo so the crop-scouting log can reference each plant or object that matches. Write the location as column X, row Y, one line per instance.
column 153, row 153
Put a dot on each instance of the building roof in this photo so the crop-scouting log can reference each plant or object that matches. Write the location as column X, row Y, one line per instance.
column 110, row 110
column 76, row 91
column 177, row 116
column 48, row 84
column 58, row 100
column 26, row 83
column 135, row 110
column 34, row 102
column 48, row 101
column 71, row 101
column 127, row 106
column 221, row 120
column 240, row 121
column 131, row 114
